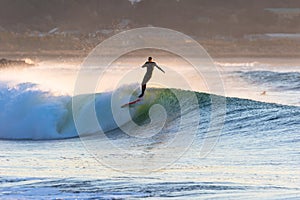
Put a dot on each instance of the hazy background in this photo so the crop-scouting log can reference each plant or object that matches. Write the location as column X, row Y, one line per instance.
column 224, row 28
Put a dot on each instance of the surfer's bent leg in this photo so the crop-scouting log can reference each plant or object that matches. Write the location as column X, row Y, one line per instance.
column 143, row 90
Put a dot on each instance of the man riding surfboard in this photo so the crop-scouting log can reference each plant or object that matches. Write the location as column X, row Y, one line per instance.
column 150, row 66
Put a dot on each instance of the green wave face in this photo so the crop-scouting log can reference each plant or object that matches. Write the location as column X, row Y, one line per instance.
column 168, row 99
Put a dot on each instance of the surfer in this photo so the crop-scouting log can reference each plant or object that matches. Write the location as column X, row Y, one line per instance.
column 150, row 66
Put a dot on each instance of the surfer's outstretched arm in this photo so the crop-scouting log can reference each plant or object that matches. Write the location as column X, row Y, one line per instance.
column 160, row 69
column 145, row 65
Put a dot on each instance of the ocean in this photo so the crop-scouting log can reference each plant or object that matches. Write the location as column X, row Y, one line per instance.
column 177, row 143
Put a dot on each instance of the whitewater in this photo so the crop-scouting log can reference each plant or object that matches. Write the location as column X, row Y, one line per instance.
column 256, row 155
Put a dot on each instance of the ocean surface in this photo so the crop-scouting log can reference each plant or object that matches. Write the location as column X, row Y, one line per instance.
column 253, row 152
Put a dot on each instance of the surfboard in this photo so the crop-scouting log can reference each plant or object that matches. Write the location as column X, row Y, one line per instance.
column 131, row 103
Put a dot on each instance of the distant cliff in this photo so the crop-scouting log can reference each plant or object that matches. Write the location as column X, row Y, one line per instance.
column 5, row 63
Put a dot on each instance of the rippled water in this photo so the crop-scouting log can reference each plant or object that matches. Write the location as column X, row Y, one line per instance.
column 257, row 155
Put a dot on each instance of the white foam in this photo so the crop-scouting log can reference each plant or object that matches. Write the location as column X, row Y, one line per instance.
column 30, row 113
column 27, row 112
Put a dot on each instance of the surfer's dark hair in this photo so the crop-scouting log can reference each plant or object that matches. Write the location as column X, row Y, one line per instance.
column 149, row 58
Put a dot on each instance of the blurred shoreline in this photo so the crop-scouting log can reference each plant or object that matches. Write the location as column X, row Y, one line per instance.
column 231, row 28
column 269, row 48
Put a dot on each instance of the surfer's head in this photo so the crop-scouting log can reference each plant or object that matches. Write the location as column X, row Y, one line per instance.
column 150, row 59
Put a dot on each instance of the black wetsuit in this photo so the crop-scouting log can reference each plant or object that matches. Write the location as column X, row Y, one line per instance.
column 150, row 66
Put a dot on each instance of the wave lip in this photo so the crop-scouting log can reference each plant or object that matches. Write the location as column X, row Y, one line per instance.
column 238, row 64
